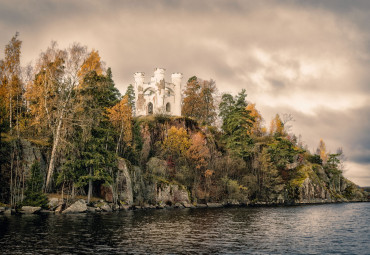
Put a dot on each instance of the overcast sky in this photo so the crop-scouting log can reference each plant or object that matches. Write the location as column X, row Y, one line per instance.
column 307, row 58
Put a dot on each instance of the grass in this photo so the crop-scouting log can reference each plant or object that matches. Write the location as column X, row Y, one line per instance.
column 59, row 196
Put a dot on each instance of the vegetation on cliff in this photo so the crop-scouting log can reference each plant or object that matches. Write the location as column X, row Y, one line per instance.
column 66, row 116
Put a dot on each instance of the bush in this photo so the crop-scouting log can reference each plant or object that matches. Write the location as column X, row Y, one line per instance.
column 33, row 193
column 314, row 159
column 36, row 199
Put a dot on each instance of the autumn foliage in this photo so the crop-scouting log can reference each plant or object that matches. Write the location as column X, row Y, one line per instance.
column 67, row 105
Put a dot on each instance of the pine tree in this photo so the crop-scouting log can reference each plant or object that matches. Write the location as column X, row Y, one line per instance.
column 130, row 92
column 237, row 123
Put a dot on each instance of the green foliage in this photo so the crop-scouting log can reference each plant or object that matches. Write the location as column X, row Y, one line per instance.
column 314, row 159
column 130, row 92
column 283, row 152
column 236, row 123
column 34, row 195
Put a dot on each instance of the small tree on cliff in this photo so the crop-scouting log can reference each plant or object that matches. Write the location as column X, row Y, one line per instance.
column 176, row 145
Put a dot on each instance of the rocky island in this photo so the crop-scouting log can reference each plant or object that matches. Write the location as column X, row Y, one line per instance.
column 71, row 143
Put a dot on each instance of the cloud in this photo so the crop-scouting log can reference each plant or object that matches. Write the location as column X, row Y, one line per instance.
column 309, row 58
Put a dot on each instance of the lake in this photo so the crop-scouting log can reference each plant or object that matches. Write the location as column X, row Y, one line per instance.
column 307, row 229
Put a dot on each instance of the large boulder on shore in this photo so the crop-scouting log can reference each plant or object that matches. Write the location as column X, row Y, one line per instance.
column 30, row 209
column 53, row 203
column 78, row 207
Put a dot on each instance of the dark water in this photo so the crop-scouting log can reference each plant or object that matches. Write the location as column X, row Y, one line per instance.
column 314, row 229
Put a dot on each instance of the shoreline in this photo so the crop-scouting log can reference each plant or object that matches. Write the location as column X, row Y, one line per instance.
column 6, row 211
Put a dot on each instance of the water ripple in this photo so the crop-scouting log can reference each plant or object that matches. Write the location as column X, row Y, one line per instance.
column 315, row 229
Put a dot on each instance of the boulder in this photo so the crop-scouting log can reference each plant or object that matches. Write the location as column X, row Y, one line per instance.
column 125, row 207
column 188, row 205
column 78, row 207
column 107, row 193
column 178, row 205
column 105, row 207
column 171, row 194
column 43, row 211
column 91, row 209
column 214, row 205
column 8, row 211
column 2, row 209
column 53, row 203
column 30, row 209
column 59, row 208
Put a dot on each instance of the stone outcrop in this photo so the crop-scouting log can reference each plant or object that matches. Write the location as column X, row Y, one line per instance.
column 30, row 209
column 78, row 207
column 311, row 192
column 171, row 194
column 53, row 203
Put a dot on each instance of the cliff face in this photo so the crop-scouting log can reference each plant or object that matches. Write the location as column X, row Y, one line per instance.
column 159, row 180
column 136, row 187
column 156, row 181
column 18, row 172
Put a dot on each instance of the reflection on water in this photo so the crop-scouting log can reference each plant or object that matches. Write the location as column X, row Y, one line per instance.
column 315, row 229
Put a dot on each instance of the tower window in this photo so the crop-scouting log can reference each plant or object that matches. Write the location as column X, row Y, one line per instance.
column 150, row 108
column 168, row 107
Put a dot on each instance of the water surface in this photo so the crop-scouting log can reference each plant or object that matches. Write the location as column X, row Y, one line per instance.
column 312, row 229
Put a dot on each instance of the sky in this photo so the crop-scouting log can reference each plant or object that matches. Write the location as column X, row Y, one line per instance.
column 310, row 59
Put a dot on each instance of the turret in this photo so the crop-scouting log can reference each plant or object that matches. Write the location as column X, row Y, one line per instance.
column 139, row 78
column 138, row 87
column 159, row 74
column 176, row 80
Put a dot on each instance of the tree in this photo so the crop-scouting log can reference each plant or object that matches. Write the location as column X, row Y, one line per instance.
column 191, row 103
column 72, row 58
column 130, row 92
column 226, row 105
column 176, row 144
column 198, row 156
column 283, row 153
column 198, row 153
column 256, row 129
column 321, row 151
column 11, row 89
column 120, row 116
column 91, row 63
column 92, row 156
column 236, row 125
column 208, row 108
column 199, row 100
column 277, row 126
column 12, row 112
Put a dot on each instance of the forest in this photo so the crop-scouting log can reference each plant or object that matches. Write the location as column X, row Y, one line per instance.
column 67, row 106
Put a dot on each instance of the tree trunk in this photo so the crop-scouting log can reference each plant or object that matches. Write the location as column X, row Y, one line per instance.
column 53, row 154
column 90, row 188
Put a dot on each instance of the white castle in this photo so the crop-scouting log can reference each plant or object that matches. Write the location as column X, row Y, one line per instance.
column 158, row 96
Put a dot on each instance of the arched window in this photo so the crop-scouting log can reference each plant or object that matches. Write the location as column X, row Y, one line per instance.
column 150, row 108
column 168, row 107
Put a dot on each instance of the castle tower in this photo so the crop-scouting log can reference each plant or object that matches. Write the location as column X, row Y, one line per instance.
column 176, row 80
column 158, row 96
column 139, row 93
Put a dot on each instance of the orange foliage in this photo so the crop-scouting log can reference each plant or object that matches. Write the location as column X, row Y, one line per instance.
column 91, row 63
column 256, row 129
column 121, row 117
column 277, row 126
column 176, row 143
column 198, row 152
